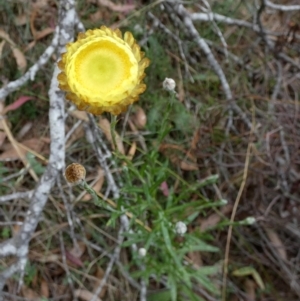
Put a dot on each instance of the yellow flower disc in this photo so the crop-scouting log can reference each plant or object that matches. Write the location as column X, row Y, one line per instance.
column 103, row 72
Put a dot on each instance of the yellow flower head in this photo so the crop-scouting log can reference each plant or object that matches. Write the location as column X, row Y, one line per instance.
column 103, row 72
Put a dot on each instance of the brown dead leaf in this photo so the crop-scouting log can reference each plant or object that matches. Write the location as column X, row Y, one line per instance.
column 97, row 186
column 126, row 8
column 24, row 130
column 76, row 135
column 73, row 260
column 11, row 153
column 98, row 15
column 131, row 151
column 36, row 33
column 105, row 127
column 5, row 36
column 20, row 20
column 39, row 4
column 44, row 290
column 174, row 153
column 33, row 15
column 196, row 139
column 1, row 47
column 35, row 282
column 29, row 293
column 18, row 54
column 81, row 115
column 179, row 156
column 2, row 131
column 85, row 295
column 20, row 58
column 78, row 250
column 188, row 166
column 139, row 118
column 99, row 275
column 250, row 289
column 61, row 290
column 276, row 242
column 30, row 46
column 43, row 33
column 16, row 228
column 211, row 221
column 214, row 218
column 136, row 132
column 18, row 148
column 196, row 259
column 180, row 87
column 44, row 258
column 167, row 146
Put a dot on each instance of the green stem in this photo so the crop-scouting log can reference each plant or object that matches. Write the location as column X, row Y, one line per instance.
column 97, row 200
column 113, row 124
column 164, row 127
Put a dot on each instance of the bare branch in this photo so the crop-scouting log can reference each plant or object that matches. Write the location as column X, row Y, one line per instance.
column 282, row 7
column 111, row 264
column 206, row 17
column 65, row 265
column 103, row 153
column 16, row 195
column 18, row 245
column 205, row 48
column 30, row 74
column 181, row 11
column 277, row 87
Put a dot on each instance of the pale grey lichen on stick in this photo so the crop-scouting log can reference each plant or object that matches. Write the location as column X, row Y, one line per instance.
column 18, row 245
column 282, row 7
column 16, row 195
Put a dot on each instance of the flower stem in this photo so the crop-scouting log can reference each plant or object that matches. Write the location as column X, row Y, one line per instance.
column 97, row 200
column 113, row 124
column 164, row 130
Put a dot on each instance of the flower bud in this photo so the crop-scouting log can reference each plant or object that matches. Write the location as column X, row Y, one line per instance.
column 169, row 84
column 250, row 220
column 142, row 252
column 180, row 228
column 75, row 173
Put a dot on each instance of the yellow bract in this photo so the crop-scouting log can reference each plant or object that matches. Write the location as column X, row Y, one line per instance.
column 103, row 72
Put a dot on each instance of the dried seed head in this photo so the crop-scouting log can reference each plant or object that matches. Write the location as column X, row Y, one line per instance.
column 75, row 173
column 169, row 84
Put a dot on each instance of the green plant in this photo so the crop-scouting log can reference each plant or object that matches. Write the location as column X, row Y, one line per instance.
column 30, row 273
column 159, row 212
